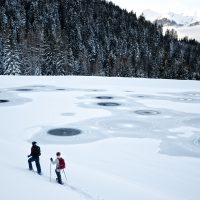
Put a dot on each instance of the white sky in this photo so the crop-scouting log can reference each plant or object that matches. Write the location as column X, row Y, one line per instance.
column 188, row 7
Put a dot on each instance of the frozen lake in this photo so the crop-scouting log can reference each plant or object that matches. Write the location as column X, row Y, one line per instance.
column 128, row 114
column 141, row 136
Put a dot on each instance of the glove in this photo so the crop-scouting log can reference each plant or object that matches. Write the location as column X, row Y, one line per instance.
column 29, row 156
column 51, row 159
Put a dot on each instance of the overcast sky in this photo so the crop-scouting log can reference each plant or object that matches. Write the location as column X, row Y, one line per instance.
column 188, row 7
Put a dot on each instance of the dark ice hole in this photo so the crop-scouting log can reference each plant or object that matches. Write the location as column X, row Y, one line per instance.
column 3, row 101
column 108, row 104
column 104, row 97
column 64, row 132
column 24, row 89
column 60, row 89
column 140, row 96
column 147, row 112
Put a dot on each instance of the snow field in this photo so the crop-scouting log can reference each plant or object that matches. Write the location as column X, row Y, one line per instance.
column 107, row 167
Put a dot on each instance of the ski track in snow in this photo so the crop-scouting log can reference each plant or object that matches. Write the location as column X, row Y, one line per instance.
column 82, row 193
column 75, row 189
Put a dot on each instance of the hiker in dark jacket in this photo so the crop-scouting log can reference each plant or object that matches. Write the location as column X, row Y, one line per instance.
column 35, row 153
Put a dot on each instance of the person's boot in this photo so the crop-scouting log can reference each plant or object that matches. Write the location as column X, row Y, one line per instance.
column 60, row 182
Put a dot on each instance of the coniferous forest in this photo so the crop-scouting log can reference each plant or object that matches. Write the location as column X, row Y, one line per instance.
column 89, row 37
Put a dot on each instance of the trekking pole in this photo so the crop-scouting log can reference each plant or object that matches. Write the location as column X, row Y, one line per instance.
column 50, row 171
column 65, row 175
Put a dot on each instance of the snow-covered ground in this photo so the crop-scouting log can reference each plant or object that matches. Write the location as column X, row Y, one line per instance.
column 144, row 145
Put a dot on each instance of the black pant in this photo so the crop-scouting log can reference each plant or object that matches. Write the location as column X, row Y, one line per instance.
column 37, row 163
column 59, row 179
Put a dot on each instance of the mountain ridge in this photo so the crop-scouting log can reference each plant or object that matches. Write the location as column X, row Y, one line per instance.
column 176, row 19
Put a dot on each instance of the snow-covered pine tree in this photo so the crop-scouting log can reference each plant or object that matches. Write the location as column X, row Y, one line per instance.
column 11, row 59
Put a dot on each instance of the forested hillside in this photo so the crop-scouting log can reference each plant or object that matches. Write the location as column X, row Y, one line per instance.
column 89, row 37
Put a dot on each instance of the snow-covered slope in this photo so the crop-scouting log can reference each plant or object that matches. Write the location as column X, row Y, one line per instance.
column 146, row 147
column 180, row 19
column 184, row 25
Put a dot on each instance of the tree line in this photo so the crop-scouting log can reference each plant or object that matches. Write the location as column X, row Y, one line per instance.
column 90, row 37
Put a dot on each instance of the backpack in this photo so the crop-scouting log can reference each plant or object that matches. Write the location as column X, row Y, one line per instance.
column 61, row 163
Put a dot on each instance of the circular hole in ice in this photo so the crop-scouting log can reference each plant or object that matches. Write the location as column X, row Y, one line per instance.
column 24, row 89
column 108, row 104
column 64, row 132
column 60, row 89
column 3, row 101
column 104, row 97
column 140, row 96
column 147, row 112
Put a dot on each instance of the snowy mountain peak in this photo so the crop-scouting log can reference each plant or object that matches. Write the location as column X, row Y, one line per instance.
column 182, row 19
column 179, row 19
column 184, row 25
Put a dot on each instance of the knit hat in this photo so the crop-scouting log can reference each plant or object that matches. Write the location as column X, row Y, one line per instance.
column 58, row 154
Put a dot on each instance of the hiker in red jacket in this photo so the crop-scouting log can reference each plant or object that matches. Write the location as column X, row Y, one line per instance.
column 60, row 165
